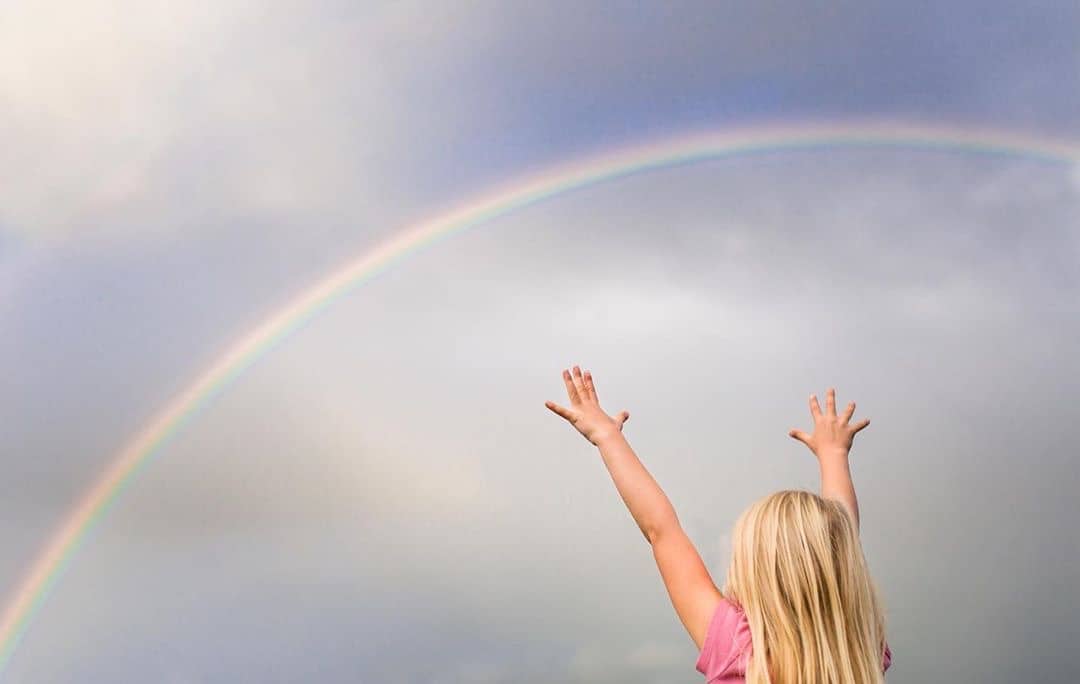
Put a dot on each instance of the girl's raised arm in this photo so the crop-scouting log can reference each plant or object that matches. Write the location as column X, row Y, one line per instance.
column 831, row 443
column 688, row 583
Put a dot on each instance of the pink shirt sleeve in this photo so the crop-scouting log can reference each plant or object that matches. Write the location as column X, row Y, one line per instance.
column 727, row 636
column 727, row 645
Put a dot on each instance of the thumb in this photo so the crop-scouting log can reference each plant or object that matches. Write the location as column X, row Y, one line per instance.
column 623, row 417
column 559, row 410
column 800, row 435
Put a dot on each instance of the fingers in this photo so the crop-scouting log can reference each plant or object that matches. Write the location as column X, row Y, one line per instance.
column 579, row 384
column 564, row 412
column 590, row 388
column 849, row 412
column 830, row 401
column 815, row 407
column 801, row 436
column 571, row 389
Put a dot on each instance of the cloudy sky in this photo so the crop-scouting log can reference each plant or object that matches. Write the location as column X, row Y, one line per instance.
column 383, row 497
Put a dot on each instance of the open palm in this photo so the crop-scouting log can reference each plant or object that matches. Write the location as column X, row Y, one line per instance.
column 585, row 413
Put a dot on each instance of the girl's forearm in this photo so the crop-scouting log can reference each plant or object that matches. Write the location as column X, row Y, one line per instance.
column 649, row 506
column 836, row 481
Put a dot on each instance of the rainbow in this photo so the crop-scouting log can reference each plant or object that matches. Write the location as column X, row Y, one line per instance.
column 57, row 555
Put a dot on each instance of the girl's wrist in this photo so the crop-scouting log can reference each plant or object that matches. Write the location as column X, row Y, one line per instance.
column 606, row 435
column 833, row 454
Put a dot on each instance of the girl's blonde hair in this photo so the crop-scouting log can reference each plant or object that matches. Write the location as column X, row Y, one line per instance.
column 799, row 574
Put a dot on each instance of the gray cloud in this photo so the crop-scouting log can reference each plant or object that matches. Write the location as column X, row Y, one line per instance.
column 391, row 429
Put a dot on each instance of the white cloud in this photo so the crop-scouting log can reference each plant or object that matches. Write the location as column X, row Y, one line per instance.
column 130, row 118
column 87, row 101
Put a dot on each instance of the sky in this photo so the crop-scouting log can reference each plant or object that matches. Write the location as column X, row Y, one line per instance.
column 383, row 497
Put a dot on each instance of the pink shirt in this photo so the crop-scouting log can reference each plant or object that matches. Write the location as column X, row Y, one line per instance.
column 727, row 646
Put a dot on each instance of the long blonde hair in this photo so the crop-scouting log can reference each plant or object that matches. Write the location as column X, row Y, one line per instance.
column 799, row 574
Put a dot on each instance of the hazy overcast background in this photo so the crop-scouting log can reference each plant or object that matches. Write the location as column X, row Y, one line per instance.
column 384, row 497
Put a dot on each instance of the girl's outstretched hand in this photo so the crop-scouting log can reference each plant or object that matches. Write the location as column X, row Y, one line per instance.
column 832, row 433
column 585, row 413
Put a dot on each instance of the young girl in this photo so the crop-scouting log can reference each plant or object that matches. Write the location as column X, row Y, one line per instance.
column 799, row 605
